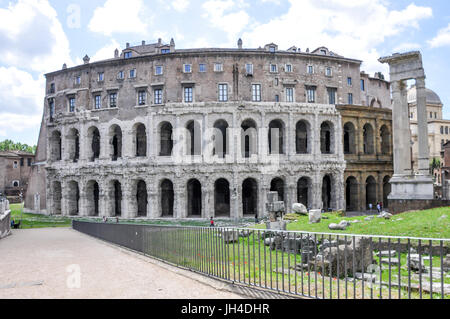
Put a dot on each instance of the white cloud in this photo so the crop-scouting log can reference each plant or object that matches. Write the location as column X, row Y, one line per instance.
column 107, row 52
column 118, row 16
column 406, row 46
column 350, row 28
column 32, row 37
column 180, row 5
column 441, row 39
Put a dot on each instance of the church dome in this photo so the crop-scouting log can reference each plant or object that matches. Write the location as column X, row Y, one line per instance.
column 432, row 97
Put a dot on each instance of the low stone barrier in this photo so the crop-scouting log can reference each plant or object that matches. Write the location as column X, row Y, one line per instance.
column 5, row 219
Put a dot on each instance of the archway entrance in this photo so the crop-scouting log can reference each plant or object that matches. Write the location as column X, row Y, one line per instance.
column 222, row 198
column 351, row 194
column 326, row 193
column 250, row 197
column 167, row 198
column 141, row 199
column 371, row 192
column 194, row 189
column 303, row 187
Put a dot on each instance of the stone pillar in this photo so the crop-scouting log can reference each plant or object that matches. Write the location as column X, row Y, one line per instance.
column 128, row 210
column 208, row 200
column 422, row 122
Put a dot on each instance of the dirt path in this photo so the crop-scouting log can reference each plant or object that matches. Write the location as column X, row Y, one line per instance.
column 44, row 263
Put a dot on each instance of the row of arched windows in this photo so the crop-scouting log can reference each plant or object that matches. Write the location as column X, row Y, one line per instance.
column 350, row 139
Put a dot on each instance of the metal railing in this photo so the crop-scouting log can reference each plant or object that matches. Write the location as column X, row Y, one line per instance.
column 314, row 265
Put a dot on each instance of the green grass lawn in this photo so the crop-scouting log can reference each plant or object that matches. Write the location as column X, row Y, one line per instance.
column 37, row 221
column 426, row 224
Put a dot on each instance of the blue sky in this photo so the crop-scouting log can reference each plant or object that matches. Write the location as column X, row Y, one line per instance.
column 38, row 36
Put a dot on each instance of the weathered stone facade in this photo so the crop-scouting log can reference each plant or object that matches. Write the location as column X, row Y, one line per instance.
column 139, row 135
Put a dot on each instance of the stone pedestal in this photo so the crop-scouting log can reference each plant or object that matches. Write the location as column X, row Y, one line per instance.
column 411, row 187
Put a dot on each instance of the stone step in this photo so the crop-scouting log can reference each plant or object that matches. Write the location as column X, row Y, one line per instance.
column 393, row 261
column 386, row 253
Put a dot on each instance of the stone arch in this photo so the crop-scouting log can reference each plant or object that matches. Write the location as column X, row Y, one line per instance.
column 327, row 194
column 386, row 191
column 276, row 137
column 278, row 185
column 368, row 138
column 57, row 197
column 327, row 138
column 221, row 146
column 375, row 102
column 351, row 194
column 194, row 196
column 371, row 191
column 166, row 139
column 55, row 146
column 302, row 144
column 385, row 135
column 73, row 198
column 167, row 198
column 139, row 140
column 249, row 138
column 222, row 198
column 73, row 145
column 93, row 135
column 193, row 138
column 115, row 136
column 349, row 138
column 92, row 193
column 250, row 197
column 115, row 196
column 304, row 189
column 141, row 198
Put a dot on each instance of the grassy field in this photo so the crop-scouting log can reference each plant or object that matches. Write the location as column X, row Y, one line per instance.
column 37, row 221
column 433, row 223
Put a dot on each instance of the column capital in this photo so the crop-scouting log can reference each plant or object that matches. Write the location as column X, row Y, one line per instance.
column 420, row 82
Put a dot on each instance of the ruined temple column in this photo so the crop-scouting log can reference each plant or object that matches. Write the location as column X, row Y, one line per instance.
column 422, row 122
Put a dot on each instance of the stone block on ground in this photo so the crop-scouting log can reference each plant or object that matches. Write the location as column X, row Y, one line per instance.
column 300, row 209
column 230, row 236
column 315, row 216
column 278, row 225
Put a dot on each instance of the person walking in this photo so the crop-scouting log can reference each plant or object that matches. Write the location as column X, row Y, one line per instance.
column 378, row 208
column 370, row 206
column 211, row 222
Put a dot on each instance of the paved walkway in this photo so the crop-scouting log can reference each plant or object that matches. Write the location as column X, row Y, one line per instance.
column 38, row 263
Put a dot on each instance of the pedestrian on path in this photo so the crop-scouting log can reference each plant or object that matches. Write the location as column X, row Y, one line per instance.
column 211, row 222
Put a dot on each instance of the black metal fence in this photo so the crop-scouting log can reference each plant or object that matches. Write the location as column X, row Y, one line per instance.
column 315, row 265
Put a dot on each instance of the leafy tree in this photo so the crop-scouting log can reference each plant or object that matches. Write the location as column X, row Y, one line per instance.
column 8, row 145
column 435, row 164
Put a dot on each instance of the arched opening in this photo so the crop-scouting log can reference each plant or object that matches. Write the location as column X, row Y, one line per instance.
column 73, row 143
column 301, row 140
column 368, row 139
column 326, row 142
column 140, row 142
column 220, row 138
column 194, row 190
column 55, row 151
column 276, row 137
column 249, row 139
column 141, row 198
column 303, row 189
column 385, row 140
column 193, row 139
column 326, row 193
column 351, row 194
column 349, row 138
column 94, row 138
column 250, row 197
column 222, row 198
column 73, row 199
column 92, row 196
column 115, row 134
column 166, row 139
column 167, row 198
column 277, row 185
column 57, row 197
column 371, row 191
column 117, row 196
column 386, row 191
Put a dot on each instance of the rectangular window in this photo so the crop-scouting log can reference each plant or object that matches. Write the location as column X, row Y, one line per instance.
column 273, row 68
column 29, row 161
column 331, row 95
column 187, row 68
column 350, row 98
column 289, row 95
column 311, row 94
column 288, row 68
column 446, row 130
column 78, row 80
column 223, row 92
column 101, row 77
column 310, row 69
column 188, row 96
column 52, row 88
column 71, row 104
column 113, row 99
column 164, row 51
column 158, row 70
column 277, row 98
column 142, row 97
column 158, row 96
column 249, row 69
column 218, row 67
column 431, row 115
column 202, row 67
column 442, row 130
column 98, row 102
column 120, row 75
column 256, row 92
column 349, row 81
column 21, row 162
column 132, row 74
column 127, row 55
column 363, row 87
column 328, row 71
column 51, row 106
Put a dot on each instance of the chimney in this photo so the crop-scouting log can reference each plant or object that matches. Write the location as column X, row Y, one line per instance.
column 86, row 59
column 159, row 41
column 64, row 66
column 128, row 45
column 143, row 42
column 307, row 50
column 116, row 53
column 172, row 45
column 240, row 43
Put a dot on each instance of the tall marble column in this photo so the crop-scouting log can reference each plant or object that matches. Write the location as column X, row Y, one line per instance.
column 422, row 121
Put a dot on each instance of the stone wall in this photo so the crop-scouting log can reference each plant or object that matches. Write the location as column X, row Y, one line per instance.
column 398, row 206
column 5, row 219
